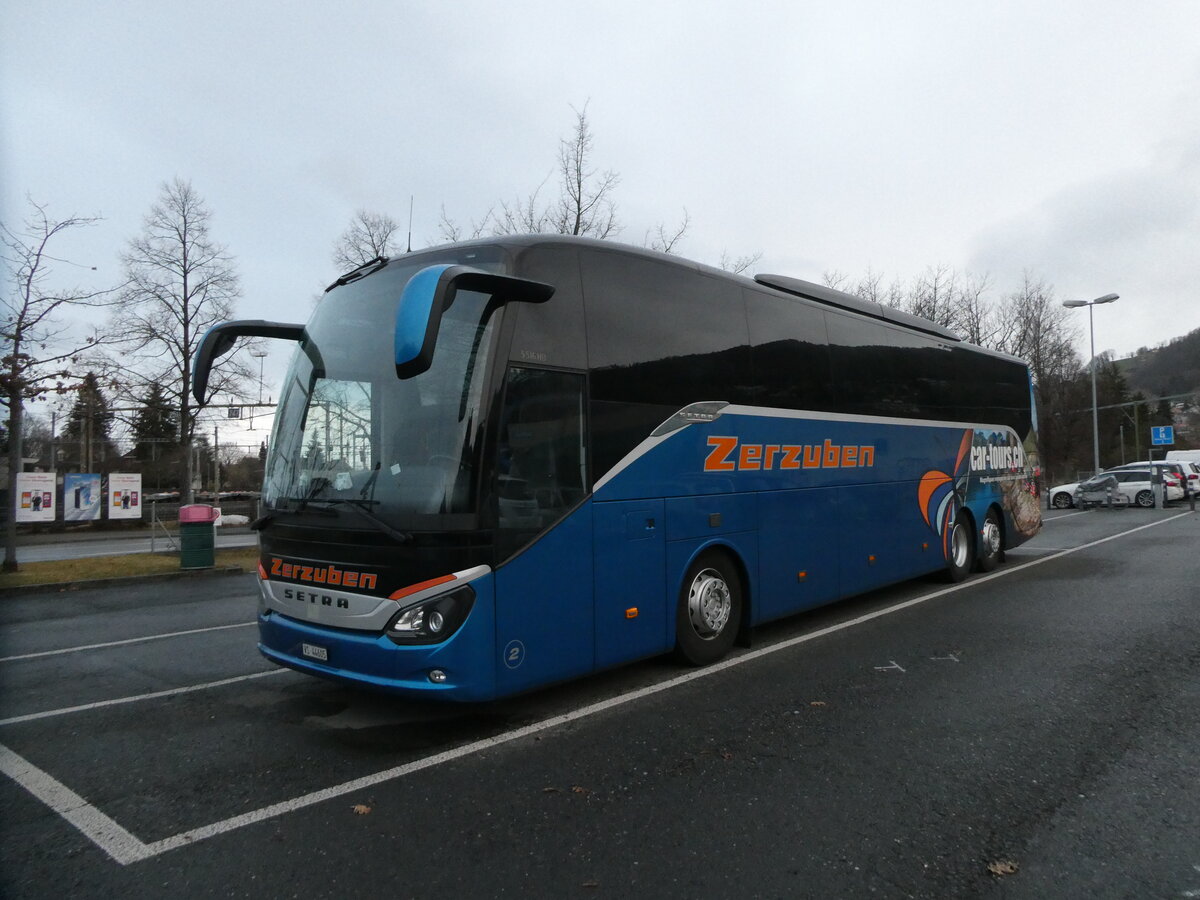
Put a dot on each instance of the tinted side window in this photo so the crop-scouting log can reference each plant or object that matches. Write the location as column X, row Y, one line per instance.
column 619, row 427
column 550, row 333
column 924, row 385
column 791, row 354
column 861, row 359
column 662, row 333
column 992, row 390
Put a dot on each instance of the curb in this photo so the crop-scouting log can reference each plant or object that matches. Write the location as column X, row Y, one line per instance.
column 57, row 587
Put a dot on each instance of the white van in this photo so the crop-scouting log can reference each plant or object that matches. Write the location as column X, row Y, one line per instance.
column 1181, row 455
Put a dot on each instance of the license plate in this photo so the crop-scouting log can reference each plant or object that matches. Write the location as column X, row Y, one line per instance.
column 312, row 651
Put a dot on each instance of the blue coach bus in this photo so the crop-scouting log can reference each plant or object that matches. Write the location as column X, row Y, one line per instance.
column 505, row 463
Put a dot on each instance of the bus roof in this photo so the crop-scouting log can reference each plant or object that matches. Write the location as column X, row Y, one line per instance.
column 793, row 287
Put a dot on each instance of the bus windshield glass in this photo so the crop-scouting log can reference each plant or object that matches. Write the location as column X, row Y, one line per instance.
column 348, row 431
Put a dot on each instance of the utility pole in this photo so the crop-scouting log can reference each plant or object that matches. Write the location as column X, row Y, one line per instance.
column 216, row 464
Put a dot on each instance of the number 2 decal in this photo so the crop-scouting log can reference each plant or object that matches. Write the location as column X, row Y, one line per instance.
column 514, row 654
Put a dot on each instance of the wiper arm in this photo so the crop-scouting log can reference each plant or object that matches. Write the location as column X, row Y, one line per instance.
column 369, row 487
column 363, row 508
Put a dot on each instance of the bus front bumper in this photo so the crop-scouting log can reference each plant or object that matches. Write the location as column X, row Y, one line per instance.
column 458, row 669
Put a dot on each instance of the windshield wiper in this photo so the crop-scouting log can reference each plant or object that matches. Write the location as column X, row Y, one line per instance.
column 369, row 487
column 362, row 271
column 363, row 508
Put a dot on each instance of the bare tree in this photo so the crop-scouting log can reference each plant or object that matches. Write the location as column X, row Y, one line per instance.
column 451, row 231
column 738, row 264
column 663, row 239
column 977, row 318
column 525, row 216
column 368, row 236
column 835, row 278
column 585, row 205
column 933, row 295
column 181, row 283
column 1039, row 330
column 36, row 355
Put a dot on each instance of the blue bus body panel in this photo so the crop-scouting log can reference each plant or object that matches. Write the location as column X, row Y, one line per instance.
column 544, row 621
column 799, row 536
column 632, row 607
column 839, row 504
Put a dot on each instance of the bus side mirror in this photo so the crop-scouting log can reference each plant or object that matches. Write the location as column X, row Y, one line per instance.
column 220, row 340
column 430, row 293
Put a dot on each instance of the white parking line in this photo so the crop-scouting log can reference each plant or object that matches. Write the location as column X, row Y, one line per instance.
column 103, row 831
column 137, row 640
column 171, row 692
column 124, row 848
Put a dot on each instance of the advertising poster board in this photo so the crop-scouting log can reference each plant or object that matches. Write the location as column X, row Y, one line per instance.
column 35, row 497
column 125, row 496
column 82, row 497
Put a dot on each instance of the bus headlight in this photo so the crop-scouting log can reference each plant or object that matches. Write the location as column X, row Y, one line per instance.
column 432, row 620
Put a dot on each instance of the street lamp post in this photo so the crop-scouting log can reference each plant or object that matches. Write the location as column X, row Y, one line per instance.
column 1075, row 304
column 260, row 355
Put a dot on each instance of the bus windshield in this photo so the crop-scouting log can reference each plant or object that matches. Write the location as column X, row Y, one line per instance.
column 349, row 431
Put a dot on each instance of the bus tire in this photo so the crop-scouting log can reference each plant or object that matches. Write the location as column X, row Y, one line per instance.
column 709, row 611
column 962, row 550
column 991, row 542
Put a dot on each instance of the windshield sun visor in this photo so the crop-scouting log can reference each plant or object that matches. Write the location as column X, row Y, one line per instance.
column 430, row 292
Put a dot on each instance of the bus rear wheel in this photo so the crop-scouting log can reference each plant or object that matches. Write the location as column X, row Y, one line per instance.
column 709, row 611
column 962, row 550
column 991, row 542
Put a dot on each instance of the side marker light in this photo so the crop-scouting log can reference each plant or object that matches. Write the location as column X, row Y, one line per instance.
column 631, row 613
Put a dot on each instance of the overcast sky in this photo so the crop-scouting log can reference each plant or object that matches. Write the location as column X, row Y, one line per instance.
column 1057, row 137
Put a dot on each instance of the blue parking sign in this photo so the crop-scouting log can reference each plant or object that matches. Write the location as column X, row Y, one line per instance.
column 1162, row 434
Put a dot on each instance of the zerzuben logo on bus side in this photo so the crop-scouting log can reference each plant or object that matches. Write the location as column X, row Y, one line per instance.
column 728, row 454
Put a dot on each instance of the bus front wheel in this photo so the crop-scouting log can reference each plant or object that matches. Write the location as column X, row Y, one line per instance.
column 709, row 611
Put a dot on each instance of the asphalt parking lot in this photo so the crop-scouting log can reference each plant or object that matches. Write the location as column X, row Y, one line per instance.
column 147, row 748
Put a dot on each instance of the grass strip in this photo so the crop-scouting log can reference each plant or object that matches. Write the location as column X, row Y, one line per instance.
column 94, row 567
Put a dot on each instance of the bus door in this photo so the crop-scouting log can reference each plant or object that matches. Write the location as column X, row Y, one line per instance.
column 544, row 629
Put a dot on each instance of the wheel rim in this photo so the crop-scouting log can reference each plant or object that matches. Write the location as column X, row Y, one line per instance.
column 991, row 537
column 1061, row 501
column 709, row 604
column 959, row 548
column 1145, row 498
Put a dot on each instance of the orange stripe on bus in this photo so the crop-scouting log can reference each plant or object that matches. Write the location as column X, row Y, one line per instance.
column 419, row 586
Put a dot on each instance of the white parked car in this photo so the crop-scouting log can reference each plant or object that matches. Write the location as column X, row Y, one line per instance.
column 1063, row 496
column 1181, row 469
column 1129, row 487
